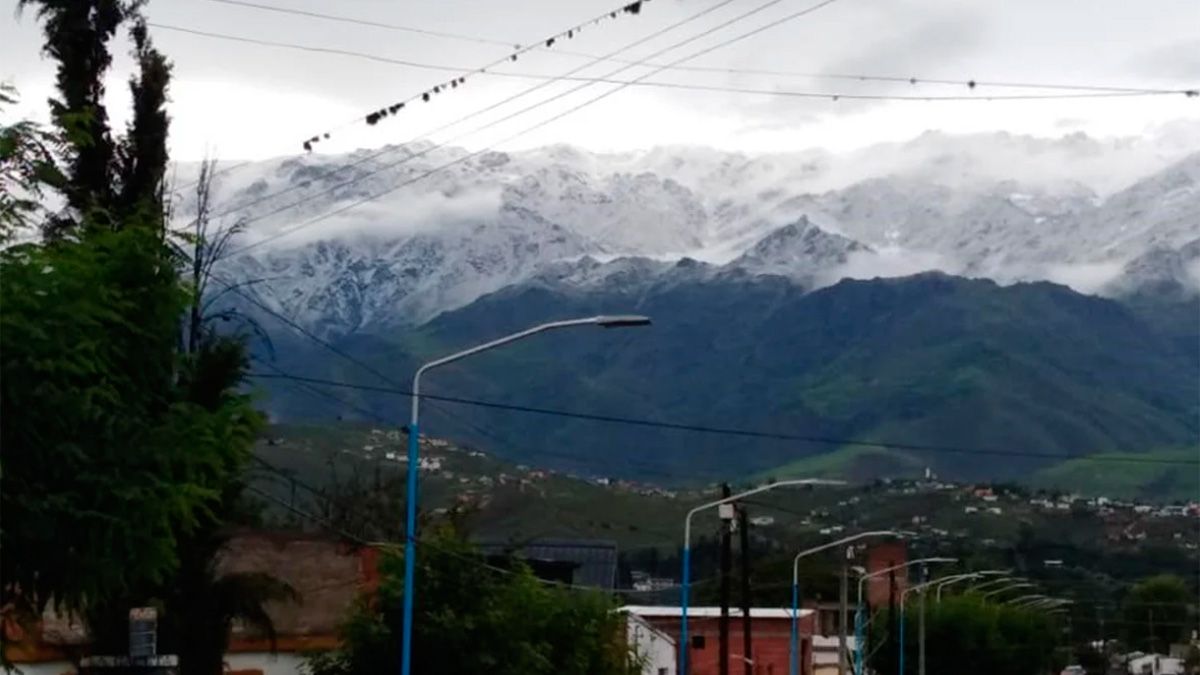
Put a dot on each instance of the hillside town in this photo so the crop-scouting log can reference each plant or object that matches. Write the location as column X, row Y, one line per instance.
column 599, row 337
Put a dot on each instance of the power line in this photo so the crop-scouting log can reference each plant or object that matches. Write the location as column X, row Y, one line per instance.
column 396, row 390
column 307, row 48
column 370, row 414
column 729, row 431
column 364, row 22
column 389, row 546
column 468, row 116
column 373, row 118
column 1082, row 91
column 745, row 433
column 712, row 69
column 646, row 467
column 542, row 123
column 328, row 525
column 521, row 94
column 304, row 514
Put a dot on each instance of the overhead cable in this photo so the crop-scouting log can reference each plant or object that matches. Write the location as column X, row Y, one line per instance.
column 369, row 198
column 731, row 431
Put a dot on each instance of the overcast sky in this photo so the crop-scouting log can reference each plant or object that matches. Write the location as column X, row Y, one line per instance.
column 239, row 100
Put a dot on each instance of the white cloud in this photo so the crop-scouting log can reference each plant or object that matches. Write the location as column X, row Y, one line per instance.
column 888, row 262
column 402, row 214
column 1088, row 278
column 254, row 101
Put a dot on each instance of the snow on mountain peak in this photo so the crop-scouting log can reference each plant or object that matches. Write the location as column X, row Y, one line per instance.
column 404, row 246
column 799, row 250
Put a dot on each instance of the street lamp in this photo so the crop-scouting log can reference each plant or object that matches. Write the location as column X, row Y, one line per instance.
column 937, row 583
column 1021, row 600
column 954, row 579
column 794, row 652
column 858, row 617
column 1005, row 589
column 410, row 521
column 1002, row 580
column 687, row 551
column 1046, row 603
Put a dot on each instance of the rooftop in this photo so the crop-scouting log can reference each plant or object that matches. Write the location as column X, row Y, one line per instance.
column 712, row 612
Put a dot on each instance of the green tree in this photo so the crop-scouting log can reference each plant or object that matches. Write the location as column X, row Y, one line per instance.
column 992, row 638
column 102, row 463
column 125, row 438
column 471, row 619
column 1156, row 612
column 26, row 165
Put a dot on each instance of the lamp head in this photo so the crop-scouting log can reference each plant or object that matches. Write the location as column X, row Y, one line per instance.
column 621, row 320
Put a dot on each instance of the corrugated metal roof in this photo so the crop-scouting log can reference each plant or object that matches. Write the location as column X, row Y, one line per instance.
column 595, row 559
column 708, row 612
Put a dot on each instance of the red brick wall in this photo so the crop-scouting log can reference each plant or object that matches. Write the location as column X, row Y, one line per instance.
column 880, row 557
column 771, row 644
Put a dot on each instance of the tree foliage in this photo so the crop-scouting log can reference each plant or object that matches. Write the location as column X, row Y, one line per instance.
column 125, row 436
column 103, row 459
column 991, row 638
column 27, row 166
column 471, row 619
column 1156, row 612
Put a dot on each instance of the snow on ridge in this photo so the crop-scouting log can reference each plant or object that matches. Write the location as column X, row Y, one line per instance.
column 500, row 218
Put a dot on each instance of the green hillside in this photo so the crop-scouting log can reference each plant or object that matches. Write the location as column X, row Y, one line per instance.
column 929, row 359
column 1127, row 480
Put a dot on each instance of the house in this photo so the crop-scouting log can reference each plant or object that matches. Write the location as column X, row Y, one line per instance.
column 1155, row 664
column 581, row 562
column 770, row 631
column 825, row 654
column 656, row 649
column 881, row 556
column 327, row 573
column 825, row 641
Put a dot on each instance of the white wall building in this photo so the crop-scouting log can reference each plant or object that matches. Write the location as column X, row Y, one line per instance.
column 1155, row 664
column 656, row 649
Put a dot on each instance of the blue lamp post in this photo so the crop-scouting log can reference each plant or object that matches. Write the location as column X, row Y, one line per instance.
column 410, row 519
column 859, row 619
column 686, row 556
column 794, row 650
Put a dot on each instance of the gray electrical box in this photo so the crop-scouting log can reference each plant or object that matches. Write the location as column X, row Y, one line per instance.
column 143, row 632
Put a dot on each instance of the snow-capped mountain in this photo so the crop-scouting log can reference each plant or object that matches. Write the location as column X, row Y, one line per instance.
column 343, row 284
column 398, row 235
column 1162, row 273
column 799, row 250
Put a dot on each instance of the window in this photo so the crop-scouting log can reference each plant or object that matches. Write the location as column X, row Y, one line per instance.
column 697, row 642
column 662, row 671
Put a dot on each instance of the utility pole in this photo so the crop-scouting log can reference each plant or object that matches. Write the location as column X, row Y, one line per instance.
column 921, row 628
column 1153, row 644
column 726, row 513
column 844, row 595
column 892, row 652
column 747, row 640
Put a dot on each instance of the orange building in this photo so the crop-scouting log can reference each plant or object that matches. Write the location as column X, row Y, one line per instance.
column 327, row 574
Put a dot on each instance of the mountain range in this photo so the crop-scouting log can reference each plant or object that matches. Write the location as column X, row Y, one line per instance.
column 900, row 293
